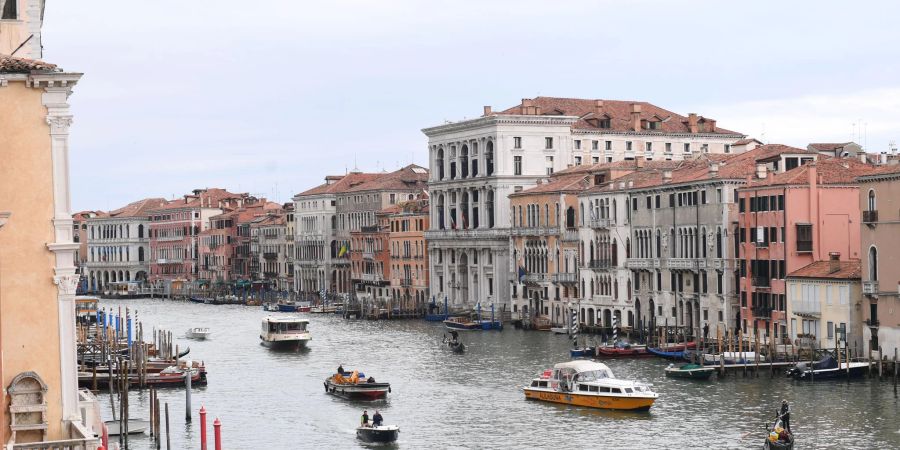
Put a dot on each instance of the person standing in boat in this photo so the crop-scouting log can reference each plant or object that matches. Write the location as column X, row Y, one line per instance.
column 786, row 415
column 340, row 370
column 377, row 420
column 365, row 419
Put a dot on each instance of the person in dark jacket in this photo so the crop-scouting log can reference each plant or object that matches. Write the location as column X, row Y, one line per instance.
column 364, row 419
column 786, row 415
column 340, row 370
column 377, row 420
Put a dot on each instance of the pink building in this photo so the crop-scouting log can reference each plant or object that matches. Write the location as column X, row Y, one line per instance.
column 175, row 228
column 220, row 244
column 788, row 221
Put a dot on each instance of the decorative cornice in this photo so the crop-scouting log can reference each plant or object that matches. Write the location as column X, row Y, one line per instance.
column 603, row 132
column 66, row 284
column 4, row 217
column 56, row 80
column 496, row 120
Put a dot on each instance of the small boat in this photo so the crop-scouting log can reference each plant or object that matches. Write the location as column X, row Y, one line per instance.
column 590, row 384
column 198, row 333
column 666, row 354
column 199, row 299
column 694, row 371
column 304, row 307
column 170, row 376
column 355, row 386
column 135, row 426
column 287, row 307
column 623, row 350
column 778, row 438
column 284, row 332
column 827, row 368
column 381, row 433
column 453, row 343
column 733, row 358
column 270, row 307
column 461, row 323
column 559, row 330
column 583, row 352
column 321, row 309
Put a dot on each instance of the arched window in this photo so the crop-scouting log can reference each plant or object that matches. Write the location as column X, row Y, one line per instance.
column 703, row 241
column 570, row 216
column 490, row 209
column 489, row 157
column 719, row 242
column 464, row 161
column 141, row 231
column 439, row 163
column 141, row 254
column 872, row 200
column 873, row 263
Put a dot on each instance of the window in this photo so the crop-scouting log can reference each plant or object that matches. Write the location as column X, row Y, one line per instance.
column 577, row 144
column 393, row 198
column 649, row 147
column 548, row 143
column 577, row 160
column 704, row 148
column 595, row 145
column 549, row 165
column 517, row 165
column 595, row 159
column 804, row 237
column 517, row 142
column 9, row 10
column 668, row 147
column 628, row 146
column 608, row 145
column 687, row 148
column 703, row 197
column 656, row 201
column 727, row 148
column 634, row 203
column 830, row 330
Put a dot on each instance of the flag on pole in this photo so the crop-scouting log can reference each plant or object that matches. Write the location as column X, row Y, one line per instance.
column 343, row 251
column 521, row 274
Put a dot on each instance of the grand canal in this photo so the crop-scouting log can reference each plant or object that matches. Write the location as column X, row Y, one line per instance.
column 275, row 400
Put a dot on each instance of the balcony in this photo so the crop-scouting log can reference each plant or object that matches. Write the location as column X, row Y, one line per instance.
column 533, row 231
column 715, row 263
column 642, row 263
column 870, row 216
column 536, row 277
column 270, row 236
column 872, row 323
column 169, row 238
column 681, row 263
column 270, row 274
column 870, row 287
column 406, row 282
column 601, row 223
column 487, row 233
column 599, row 264
column 570, row 235
column 368, row 255
column 369, row 229
column 270, row 255
column 565, row 277
column 763, row 282
column 169, row 261
column 372, row 278
column 762, row 311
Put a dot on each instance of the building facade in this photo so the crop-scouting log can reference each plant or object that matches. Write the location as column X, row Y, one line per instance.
column 879, row 201
column 408, row 253
column 370, row 268
column 270, row 244
column 823, row 305
column 38, row 278
column 119, row 245
column 476, row 164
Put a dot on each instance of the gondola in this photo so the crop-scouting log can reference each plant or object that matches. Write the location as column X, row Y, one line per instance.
column 381, row 433
column 453, row 343
column 778, row 439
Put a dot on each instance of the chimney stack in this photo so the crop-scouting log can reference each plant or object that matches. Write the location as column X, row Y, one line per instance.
column 710, row 126
column 598, row 107
column 667, row 176
column 527, row 106
column 834, row 262
column 714, row 170
column 639, row 162
column 862, row 158
column 692, row 123
column 761, row 171
column 813, row 175
column 487, row 110
column 630, row 184
column 636, row 116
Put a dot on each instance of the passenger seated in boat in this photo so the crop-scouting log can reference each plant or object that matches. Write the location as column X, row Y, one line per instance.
column 364, row 419
column 371, row 380
column 377, row 420
column 340, row 369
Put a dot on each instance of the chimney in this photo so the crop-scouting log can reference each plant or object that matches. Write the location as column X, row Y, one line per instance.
column 692, row 123
column 862, row 157
column 630, row 184
column 598, row 107
column 527, row 105
column 710, row 126
column 813, row 176
column 487, row 110
column 636, row 116
column 834, row 262
column 761, row 171
column 621, row 185
column 667, row 176
column 714, row 170
column 639, row 162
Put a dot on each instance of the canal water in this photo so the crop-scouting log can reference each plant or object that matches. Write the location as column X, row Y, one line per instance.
column 275, row 399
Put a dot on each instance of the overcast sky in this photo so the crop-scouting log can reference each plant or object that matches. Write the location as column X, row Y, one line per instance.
column 268, row 97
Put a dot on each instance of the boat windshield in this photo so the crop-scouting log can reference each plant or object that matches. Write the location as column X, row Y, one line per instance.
column 594, row 375
column 286, row 327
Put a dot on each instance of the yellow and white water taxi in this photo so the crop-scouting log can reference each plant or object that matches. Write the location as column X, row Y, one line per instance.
column 591, row 384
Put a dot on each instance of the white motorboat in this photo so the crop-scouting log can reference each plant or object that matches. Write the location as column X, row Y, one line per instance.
column 559, row 330
column 284, row 332
column 198, row 333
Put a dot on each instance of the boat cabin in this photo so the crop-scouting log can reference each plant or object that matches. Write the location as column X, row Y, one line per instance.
column 284, row 325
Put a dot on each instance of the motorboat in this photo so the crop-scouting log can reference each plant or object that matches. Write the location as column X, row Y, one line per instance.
column 322, row 309
column 623, row 350
column 380, row 433
column 827, row 368
column 355, row 386
column 559, row 330
column 461, row 323
column 134, row 426
column 583, row 352
column 286, row 306
column 672, row 351
column 733, row 358
column 693, row 371
column 590, row 384
column 284, row 332
column 86, row 309
column 270, row 307
column 303, row 307
column 199, row 333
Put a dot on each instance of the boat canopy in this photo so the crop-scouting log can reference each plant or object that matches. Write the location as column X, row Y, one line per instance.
column 581, row 366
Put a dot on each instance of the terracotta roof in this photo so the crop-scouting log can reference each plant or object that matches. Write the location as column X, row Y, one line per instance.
column 616, row 165
column 207, row 198
column 409, row 177
column 617, row 111
column 340, row 183
column 139, row 208
column 889, row 169
column 249, row 212
column 828, row 171
column 746, row 141
column 823, row 269
column 826, row 146
column 12, row 64
column 571, row 183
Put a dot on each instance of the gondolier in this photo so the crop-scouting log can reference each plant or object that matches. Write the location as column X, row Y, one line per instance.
column 786, row 415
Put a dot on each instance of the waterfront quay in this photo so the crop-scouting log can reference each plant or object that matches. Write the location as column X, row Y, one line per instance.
column 275, row 399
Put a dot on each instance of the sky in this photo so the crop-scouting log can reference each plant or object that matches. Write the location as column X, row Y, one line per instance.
column 268, row 97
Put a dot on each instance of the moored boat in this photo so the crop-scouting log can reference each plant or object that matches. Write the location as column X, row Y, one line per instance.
column 623, row 350
column 199, row 333
column 827, row 368
column 693, row 371
column 270, row 307
column 590, row 384
column 583, row 352
column 559, row 330
column 666, row 354
column 304, row 307
column 285, row 332
column 134, row 426
column 461, row 323
column 287, row 307
column 355, row 386
column 733, row 358
column 86, row 309
column 381, row 433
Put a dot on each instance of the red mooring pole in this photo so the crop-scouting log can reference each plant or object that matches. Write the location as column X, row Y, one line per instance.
column 202, row 428
column 217, row 426
column 104, row 438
